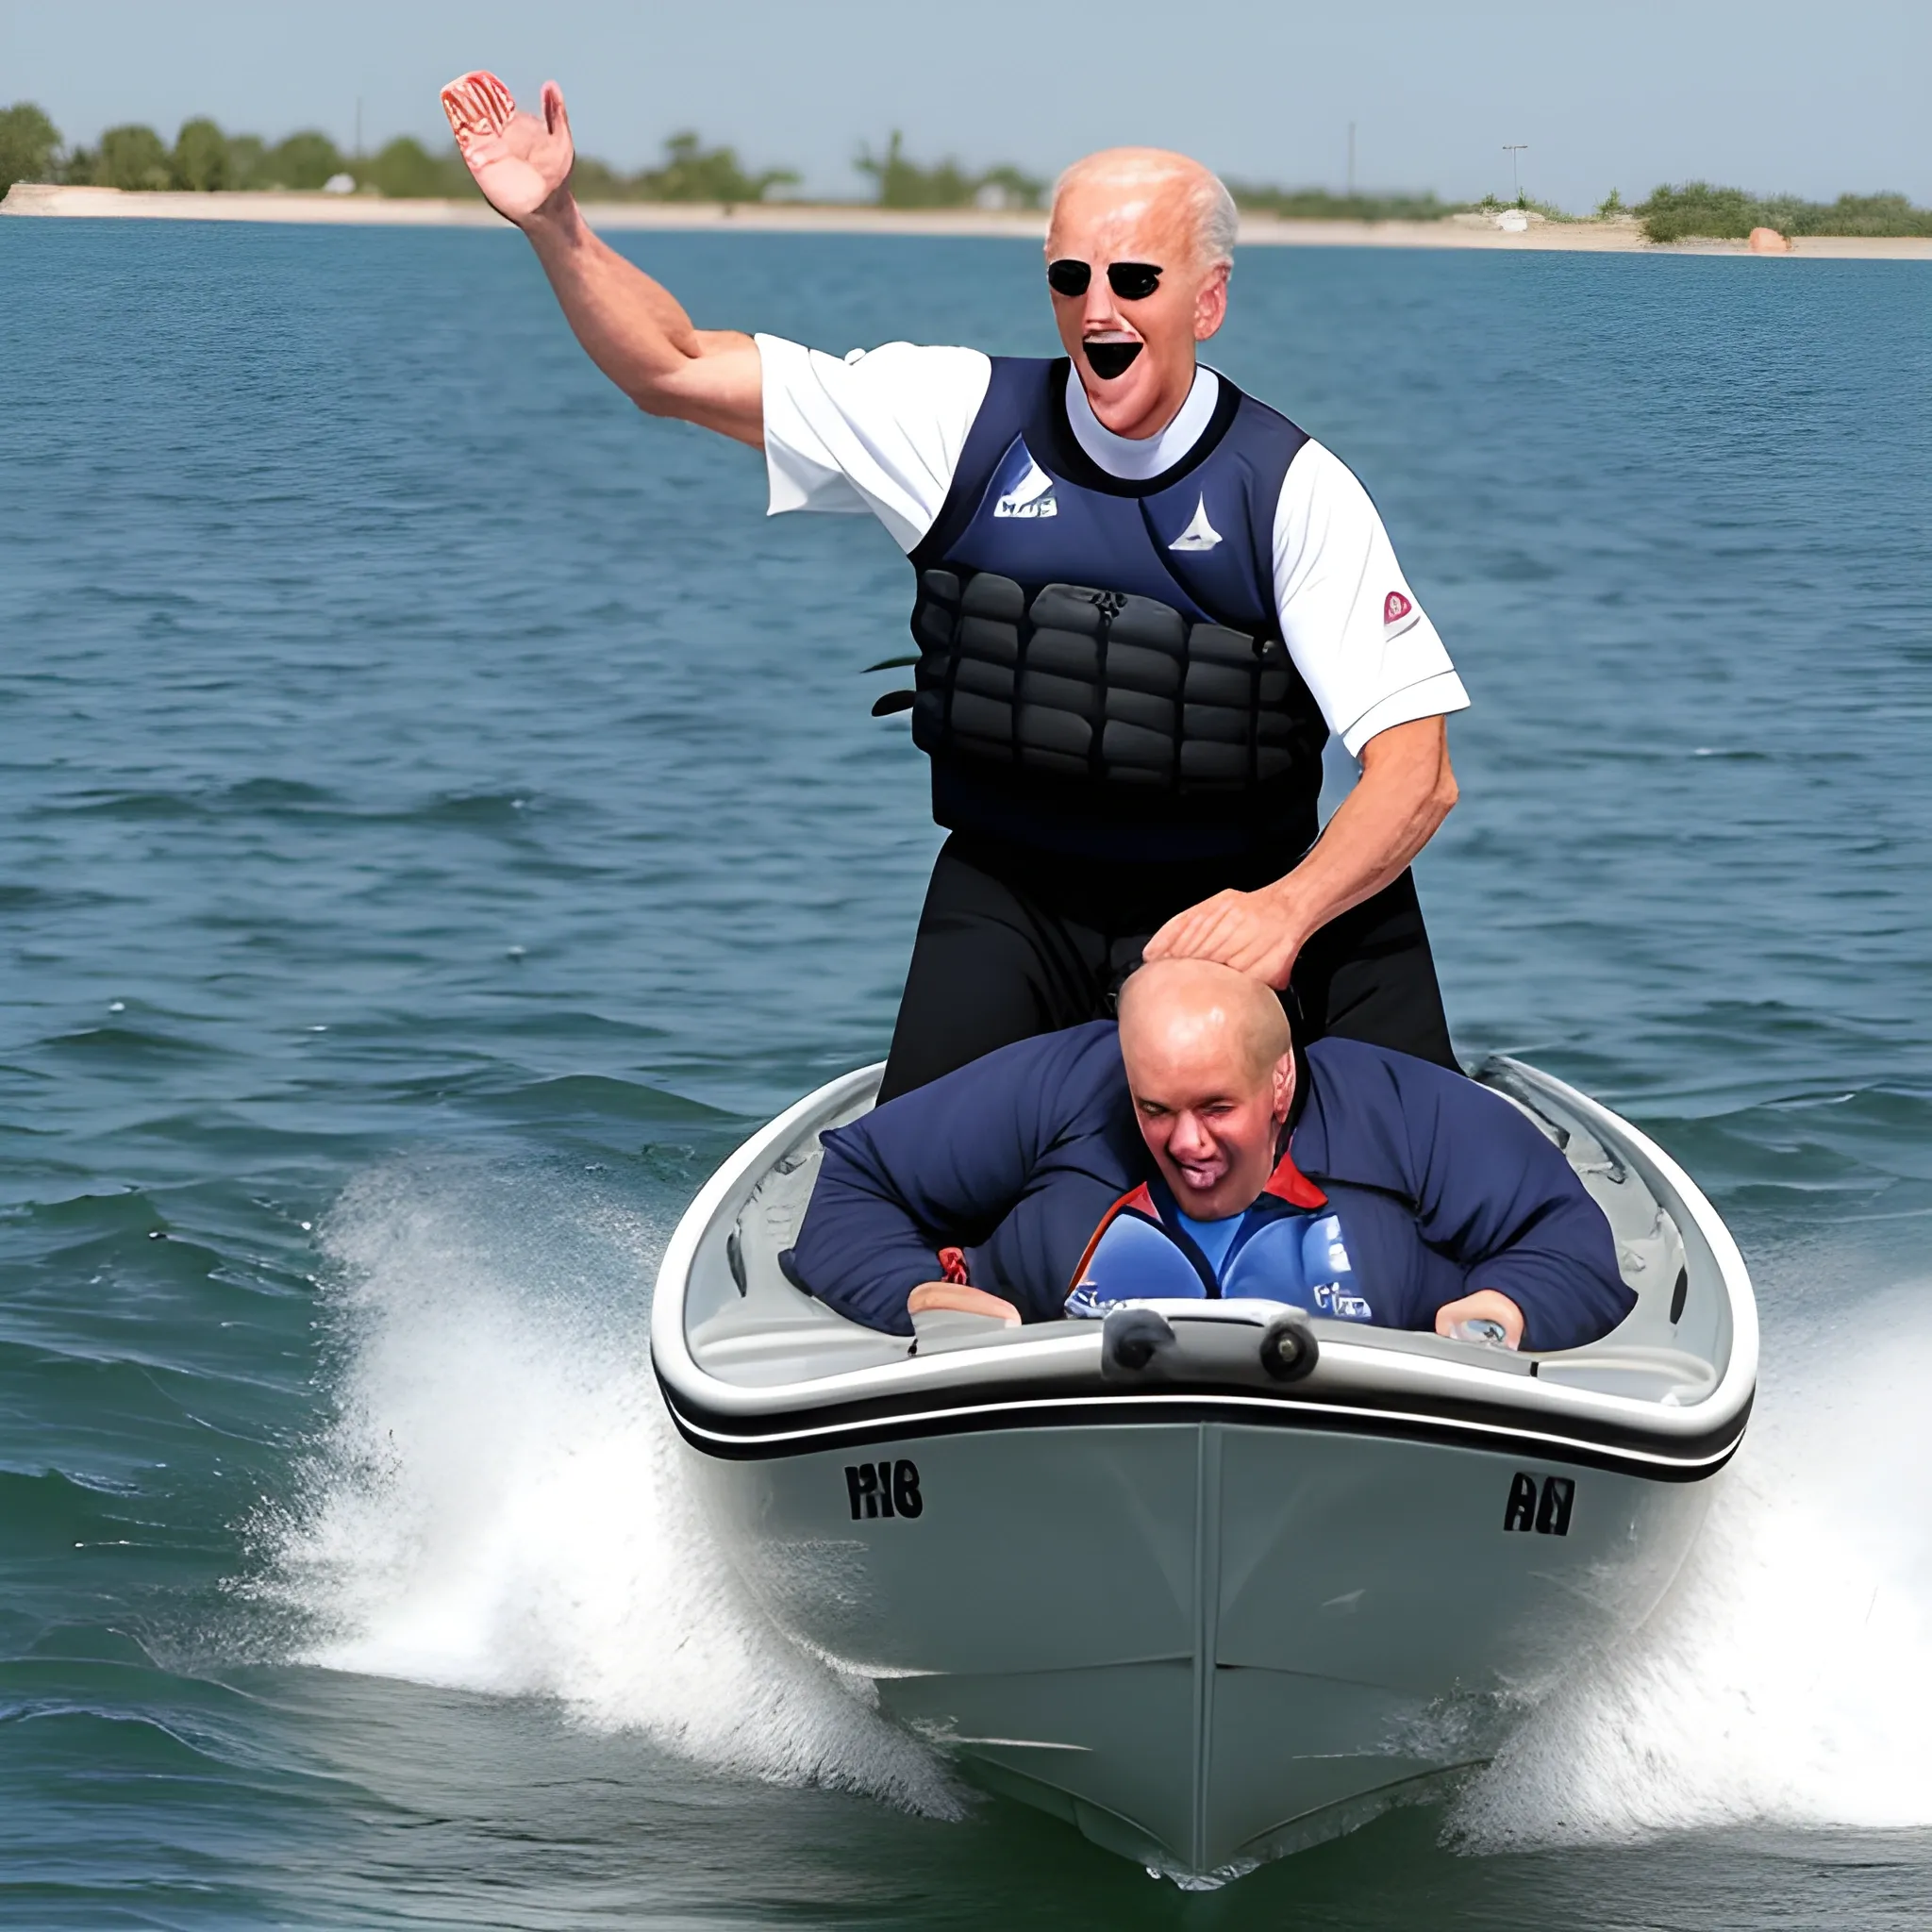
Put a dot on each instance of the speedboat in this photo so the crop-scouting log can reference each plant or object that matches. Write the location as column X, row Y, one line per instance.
column 1209, row 1581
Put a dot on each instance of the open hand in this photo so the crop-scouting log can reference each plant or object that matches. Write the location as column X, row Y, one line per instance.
column 1249, row 931
column 519, row 160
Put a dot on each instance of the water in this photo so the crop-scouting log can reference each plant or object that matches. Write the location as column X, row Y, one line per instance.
column 442, row 815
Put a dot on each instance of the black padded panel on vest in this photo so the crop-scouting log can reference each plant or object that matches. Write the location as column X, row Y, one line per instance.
column 987, row 595
column 1103, row 687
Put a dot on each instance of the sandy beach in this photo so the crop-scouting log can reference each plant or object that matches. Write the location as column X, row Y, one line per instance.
column 1456, row 231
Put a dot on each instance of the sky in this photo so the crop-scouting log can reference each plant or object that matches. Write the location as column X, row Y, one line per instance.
column 1775, row 96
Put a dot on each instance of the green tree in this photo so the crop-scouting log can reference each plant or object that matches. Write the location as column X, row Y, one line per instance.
column 695, row 173
column 245, row 152
column 903, row 183
column 201, row 156
column 1005, row 186
column 27, row 144
column 406, row 168
column 594, row 180
column 132, row 157
column 304, row 161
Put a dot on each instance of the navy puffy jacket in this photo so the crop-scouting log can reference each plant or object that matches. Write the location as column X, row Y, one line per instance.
column 1441, row 1187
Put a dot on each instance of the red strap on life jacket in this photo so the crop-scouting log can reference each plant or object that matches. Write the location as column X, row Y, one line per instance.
column 1289, row 1183
column 1139, row 1201
column 953, row 1266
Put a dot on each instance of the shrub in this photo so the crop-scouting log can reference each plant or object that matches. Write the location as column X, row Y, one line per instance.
column 904, row 183
column 1320, row 205
column 1854, row 215
column 1672, row 214
column 245, row 154
column 304, row 161
column 1006, row 187
column 595, row 180
column 693, row 173
column 132, row 157
column 201, row 156
column 27, row 143
column 406, row 168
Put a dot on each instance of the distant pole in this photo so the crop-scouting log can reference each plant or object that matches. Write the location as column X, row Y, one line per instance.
column 358, row 128
column 1513, row 148
column 1351, row 161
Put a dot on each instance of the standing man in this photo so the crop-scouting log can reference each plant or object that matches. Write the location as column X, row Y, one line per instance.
column 1144, row 602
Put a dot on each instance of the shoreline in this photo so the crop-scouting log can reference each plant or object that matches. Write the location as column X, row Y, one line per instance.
column 43, row 201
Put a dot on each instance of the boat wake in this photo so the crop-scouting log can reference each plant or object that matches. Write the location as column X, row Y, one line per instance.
column 1787, row 1677
column 496, row 1507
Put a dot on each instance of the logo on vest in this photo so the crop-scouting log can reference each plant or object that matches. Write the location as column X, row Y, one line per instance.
column 1200, row 534
column 1031, row 496
column 1398, row 613
column 1331, row 1298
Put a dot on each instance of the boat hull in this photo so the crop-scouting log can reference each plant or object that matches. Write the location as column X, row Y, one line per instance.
column 1204, row 1641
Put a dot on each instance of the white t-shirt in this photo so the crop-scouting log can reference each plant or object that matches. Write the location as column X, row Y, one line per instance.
column 882, row 432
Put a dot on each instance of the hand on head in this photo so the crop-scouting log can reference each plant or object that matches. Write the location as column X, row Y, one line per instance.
column 520, row 161
column 1211, row 1069
column 1128, row 210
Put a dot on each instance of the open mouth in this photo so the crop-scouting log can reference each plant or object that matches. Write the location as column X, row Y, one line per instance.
column 1109, row 359
column 1203, row 1179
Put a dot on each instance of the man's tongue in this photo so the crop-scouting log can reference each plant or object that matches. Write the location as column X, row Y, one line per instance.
column 1111, row 358
column 1203, row 1180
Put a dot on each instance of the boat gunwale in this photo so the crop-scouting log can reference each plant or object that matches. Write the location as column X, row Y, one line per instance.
column 1058, row 1380
column 734, row 1440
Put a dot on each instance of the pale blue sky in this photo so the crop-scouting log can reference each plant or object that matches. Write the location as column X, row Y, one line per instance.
column 1775, row 96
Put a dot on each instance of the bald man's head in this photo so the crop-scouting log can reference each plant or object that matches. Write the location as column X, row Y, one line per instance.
column 1199, row 1001
column 1211, row 1065
column 1143, row 183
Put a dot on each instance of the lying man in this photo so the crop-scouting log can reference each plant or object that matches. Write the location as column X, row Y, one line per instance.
column 1194, row 1150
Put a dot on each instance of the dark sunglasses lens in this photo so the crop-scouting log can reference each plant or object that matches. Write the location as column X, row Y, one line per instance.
column 1069, row 277
column 1133, row 281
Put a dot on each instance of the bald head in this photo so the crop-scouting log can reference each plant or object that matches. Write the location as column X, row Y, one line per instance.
column 1155, row 186
column 1202, row 1005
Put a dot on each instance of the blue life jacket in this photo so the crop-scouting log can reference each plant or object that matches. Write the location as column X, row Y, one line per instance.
column 1289, row 1248
column 1101, row 668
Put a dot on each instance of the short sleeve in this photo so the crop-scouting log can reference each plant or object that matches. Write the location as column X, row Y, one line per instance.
column 1351, row 623
column 880, row 431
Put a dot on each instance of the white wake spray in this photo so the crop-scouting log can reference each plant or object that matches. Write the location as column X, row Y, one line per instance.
column 498, row 1509
column 1788, row 1679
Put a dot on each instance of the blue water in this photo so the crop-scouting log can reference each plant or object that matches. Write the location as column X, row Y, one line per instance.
column 442, row 814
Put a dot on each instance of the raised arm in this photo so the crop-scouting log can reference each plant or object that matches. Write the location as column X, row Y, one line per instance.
column 632, row 328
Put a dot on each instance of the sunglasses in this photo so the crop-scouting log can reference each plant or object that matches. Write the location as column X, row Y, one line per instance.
column 1132, row 281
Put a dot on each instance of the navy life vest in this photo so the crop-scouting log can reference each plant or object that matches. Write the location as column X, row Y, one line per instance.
column 1101, row 669
column 1288, row 1248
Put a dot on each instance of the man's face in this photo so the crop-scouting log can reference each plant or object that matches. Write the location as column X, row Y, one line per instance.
column 1209, row 1119
column 1101, row 223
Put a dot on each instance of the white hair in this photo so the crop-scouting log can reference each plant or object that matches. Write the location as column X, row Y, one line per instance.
column 1211, row 213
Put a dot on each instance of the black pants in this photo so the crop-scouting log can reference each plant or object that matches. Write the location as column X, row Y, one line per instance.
column 1011, row 943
